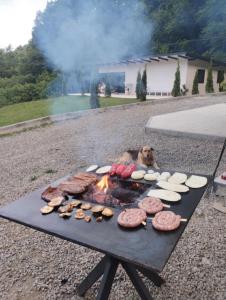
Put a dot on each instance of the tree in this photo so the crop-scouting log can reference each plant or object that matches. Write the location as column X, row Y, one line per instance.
column 107, row 91
column 220, row 79
column 143, row 86
column 176, row 86
column 138, row 85
column 94, row 100
column 209, row 82
column 195, row 87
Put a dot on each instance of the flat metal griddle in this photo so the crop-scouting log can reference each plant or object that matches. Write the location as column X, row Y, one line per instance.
column 143, row 248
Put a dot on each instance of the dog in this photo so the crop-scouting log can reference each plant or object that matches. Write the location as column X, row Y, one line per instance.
column 144, row 157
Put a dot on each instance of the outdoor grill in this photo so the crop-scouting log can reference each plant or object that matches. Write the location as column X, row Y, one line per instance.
column 142, row 249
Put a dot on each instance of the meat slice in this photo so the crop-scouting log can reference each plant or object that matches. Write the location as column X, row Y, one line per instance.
column 166, row 221
column 88, row 178
column 72, row 187
column 151, row 205
column 52, row 192
column 132, row 217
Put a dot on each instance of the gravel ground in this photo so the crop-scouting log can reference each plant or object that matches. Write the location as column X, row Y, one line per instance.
column 34, row 265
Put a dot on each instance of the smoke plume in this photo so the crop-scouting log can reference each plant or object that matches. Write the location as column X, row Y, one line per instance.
column 77, row 34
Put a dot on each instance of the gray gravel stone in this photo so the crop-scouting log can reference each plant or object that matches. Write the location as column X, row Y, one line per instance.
column 34, row 265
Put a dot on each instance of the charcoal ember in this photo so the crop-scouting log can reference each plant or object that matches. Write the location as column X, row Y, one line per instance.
column 125, row 195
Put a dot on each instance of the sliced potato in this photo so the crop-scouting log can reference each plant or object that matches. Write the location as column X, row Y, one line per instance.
column 107, row 212
column 65, row 208
column 65, row 215
column 80, row 214
column 46, row 209
column 86, row 206
column 57, row 201
column 97, row 208
column 75, row 203
column 87, row 219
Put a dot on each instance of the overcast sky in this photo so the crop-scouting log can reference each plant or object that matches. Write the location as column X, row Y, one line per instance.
column 17, row 19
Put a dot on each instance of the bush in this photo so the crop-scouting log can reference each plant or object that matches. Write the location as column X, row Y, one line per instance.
column 176, row 86
column 107, row 91
column 209, row 82
column 143, row 86
column 138, row 85
column 223, row 86
column 195, row 87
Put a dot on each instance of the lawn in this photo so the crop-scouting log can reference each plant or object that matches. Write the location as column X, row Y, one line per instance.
column 36, row 109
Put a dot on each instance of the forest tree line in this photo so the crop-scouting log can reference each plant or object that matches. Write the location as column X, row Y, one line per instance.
column 195, row 26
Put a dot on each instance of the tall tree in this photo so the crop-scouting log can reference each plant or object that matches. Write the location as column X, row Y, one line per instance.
column 94, row 100
column 138, row 85
column 209, row 82
column 107, row 91
column 176, row 86
column 144, row 86
column 195, row 87
column 220, row 79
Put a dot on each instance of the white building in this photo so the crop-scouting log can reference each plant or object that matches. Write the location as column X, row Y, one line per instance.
column 161, row 72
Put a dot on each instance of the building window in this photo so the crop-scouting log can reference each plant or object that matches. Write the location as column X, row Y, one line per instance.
column 201, row 76
column 220, row 76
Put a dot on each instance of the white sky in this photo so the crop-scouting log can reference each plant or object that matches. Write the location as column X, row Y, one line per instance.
column 17, row 19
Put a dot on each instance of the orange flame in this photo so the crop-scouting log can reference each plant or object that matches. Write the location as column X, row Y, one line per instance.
column 103, row 184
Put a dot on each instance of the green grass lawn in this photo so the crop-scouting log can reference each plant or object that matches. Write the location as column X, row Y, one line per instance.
column 19, row 112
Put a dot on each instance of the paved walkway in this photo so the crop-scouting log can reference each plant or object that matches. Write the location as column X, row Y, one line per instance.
column 207, row 121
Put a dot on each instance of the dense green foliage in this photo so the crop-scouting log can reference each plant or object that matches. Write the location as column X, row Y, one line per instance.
column 194, row 26
column 24, row 75
column 209, row 81
column 195, row 87
column 220, row 79
column 138, row 85
column 176, row 86
column 223, row 86
column 143, row 86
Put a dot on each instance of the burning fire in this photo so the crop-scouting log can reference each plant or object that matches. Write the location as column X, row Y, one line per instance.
column 103, row 184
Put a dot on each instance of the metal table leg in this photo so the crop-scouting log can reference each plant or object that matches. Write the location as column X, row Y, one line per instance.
column 92, row 277
column 108, row 278
column 137, row 282
column 108, row 267
column 153, row 276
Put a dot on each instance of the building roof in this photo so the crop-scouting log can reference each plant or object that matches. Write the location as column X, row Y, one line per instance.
column 166, row 57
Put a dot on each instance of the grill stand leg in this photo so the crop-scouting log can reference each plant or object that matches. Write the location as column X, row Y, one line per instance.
column 92, row 277
column 108, row 267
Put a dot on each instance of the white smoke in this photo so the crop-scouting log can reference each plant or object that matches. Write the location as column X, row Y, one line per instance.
column 74, row 34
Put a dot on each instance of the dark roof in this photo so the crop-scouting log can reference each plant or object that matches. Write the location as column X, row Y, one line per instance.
column 166, row 57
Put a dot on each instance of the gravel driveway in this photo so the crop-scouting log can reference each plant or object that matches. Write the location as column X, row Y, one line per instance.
column 34, row 265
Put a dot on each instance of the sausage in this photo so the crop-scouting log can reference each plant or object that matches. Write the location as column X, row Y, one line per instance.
column 166, row 221
column 132, row 217
column 128, row 171
column 151, row 205
column 113, row 169
column 120, row 169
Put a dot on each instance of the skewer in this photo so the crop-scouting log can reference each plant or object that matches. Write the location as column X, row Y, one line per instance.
column 182, row 220
column 166, row 205
column 144, row 223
